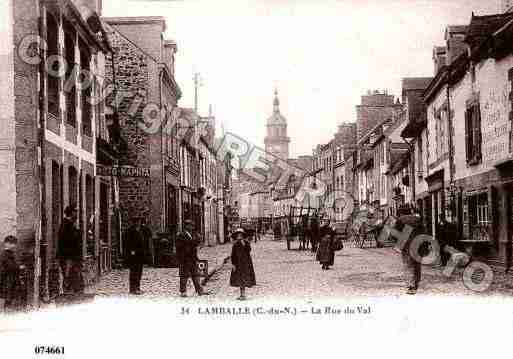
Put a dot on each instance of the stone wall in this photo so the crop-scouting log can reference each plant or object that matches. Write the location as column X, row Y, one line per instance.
column 132, row 79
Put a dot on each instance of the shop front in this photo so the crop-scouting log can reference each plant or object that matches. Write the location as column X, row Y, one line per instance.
column 486, row 202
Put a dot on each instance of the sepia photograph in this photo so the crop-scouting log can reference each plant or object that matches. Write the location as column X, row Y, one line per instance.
column 248, row 178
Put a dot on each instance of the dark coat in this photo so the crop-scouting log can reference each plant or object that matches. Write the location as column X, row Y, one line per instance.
column 187, row 253
column 70, row 242
column 10, row 280
column 134, row 242
column 314, row 231
column 244, row 273
column 325, row 252
column 415, row 222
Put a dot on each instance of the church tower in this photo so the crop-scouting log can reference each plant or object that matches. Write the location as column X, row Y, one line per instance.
column 276, row 140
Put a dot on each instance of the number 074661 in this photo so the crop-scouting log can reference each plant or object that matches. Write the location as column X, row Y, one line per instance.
column 48, row 350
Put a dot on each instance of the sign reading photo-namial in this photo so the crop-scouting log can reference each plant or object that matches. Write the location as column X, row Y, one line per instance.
column 122, row 171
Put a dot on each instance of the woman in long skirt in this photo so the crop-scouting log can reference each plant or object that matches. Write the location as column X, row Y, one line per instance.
column 243, row 273
column 325, row 251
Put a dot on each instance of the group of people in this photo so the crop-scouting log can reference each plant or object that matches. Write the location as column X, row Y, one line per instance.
column 69, row 253
column 187, row 243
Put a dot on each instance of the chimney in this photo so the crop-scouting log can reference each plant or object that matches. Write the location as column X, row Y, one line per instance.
column 439, row 57
column 170, row 50
column 454, row 37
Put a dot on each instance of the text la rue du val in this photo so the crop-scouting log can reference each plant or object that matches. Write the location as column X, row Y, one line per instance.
column 274, row 311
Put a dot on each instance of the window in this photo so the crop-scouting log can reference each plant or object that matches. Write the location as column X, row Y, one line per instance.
column 473, row 133
column 90, row 215
column 73, row 186
column 420, row 163
column 440, row 130
column 53, row 81
column 86, row 81
column 479, row 217
column 70, row 92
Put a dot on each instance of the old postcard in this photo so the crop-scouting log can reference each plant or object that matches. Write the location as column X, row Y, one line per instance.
column 255, row 178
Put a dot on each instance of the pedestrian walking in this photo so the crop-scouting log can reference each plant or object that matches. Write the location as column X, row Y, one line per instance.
column 135, row 255
column 11, row 297
column 326, row 250
column 277, row 230
column 147, row 238
column 69, row 253
column 412, row 266
column 243, row 272
column 187, row 243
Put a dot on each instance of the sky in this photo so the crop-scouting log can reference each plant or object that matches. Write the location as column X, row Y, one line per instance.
column 321, row 55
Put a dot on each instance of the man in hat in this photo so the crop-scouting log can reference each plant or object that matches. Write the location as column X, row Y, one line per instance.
column 134, row 252
column 69, row 252
column 187, row 243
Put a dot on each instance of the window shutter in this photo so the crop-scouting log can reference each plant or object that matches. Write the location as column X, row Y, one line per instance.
column 492, row 211
column 466, row 224
column 478, row 130
column 468, row 128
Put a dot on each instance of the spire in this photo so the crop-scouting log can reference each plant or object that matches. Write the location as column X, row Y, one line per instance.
column 276, row 102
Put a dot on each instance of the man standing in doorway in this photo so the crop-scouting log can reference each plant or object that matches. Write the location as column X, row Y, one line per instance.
column 69, row 252
column 187, row 243
column 134, row 247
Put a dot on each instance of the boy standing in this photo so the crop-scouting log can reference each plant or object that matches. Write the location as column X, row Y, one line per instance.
column 10, row 276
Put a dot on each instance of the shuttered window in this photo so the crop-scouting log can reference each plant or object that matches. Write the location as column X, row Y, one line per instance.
column 473, row 134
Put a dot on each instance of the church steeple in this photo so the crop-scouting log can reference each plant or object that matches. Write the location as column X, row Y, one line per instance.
column 276, row 102
column 276, row 141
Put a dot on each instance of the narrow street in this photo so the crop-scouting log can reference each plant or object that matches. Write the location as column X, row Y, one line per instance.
column 285, row 274
column 357, row 272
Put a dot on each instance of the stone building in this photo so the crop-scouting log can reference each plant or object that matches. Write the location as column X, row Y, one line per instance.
column 208, row 183
column 190, row 194
column 146, row 94
column 48, row 136
column 374, row 108
column 345, row 143
column 463, row 146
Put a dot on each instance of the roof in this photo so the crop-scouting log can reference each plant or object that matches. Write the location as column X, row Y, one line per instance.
column 416, row 83
column 456, row 29
column 481, row 27
column 399, row 161
column 413, row 91
column 277, row 119
column 130, row 20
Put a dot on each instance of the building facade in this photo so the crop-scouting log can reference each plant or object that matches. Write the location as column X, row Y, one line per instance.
column 49, row 140
column 146, row 91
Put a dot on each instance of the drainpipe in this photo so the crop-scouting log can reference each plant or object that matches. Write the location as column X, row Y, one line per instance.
column 412, row 169
column 451, row 152
column 42, row 181
column 162, row 225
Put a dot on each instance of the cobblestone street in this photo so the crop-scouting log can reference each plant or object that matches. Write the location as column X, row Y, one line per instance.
column 295, row 274
column 158, row 282
column 357, row 272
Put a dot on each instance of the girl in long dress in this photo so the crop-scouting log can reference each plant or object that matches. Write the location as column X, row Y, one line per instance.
column 243, row 273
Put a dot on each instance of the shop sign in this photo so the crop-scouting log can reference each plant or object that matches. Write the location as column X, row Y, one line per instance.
column 495, row 124
column 122, row 171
